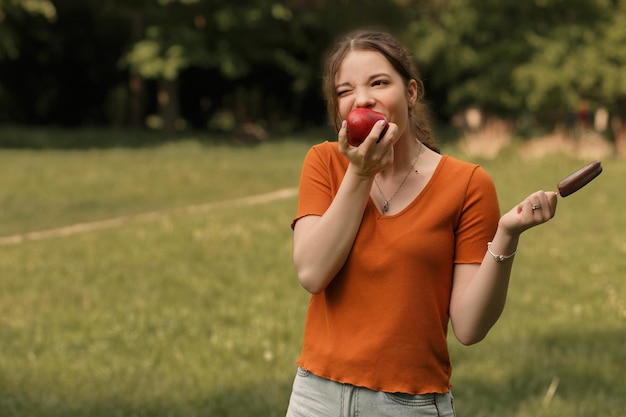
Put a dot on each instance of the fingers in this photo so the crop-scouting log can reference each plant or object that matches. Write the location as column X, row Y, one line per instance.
column 342, row 137
column 379, row 140
column 372, row 155
column 536, row 209
column 552, row 200
column 378, row 132
column 382, row 137
column 540, row 205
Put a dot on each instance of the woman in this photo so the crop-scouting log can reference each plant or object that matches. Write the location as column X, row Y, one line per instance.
column 394, row 241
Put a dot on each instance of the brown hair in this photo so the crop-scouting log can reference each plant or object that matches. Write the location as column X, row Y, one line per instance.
column 401, row 60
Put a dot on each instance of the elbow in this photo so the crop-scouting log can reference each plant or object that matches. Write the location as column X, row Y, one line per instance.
column 469, row 336
column 470, row 328
column 310, row 275
column 310, row 281
column 312, row 289
column 469, row 340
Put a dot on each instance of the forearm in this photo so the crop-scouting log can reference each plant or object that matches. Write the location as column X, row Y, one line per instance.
column 321, row 249
column 479, row 306
column 478, row 296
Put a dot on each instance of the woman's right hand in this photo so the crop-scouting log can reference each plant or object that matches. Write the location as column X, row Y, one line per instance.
column 371, row 156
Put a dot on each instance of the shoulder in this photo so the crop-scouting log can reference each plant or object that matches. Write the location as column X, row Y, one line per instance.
column 463, row 171
column 325, row 148
column 458, row 165
column 467, row 185
column 327, row 154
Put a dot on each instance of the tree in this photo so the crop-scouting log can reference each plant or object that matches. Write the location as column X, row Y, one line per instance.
column 166, row 39
column 514, row 57
column 266, row 54
column 13, row 15
column 582, row 58
column 14, row 11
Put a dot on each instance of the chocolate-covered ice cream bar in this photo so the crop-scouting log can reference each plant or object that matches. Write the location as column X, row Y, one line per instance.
column 579, row 179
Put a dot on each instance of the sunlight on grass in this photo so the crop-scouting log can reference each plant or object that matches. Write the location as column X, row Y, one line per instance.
column 173, row 313
column 201, row 314
column 47, row 189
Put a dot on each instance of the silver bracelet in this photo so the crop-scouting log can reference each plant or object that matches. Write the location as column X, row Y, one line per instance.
column 500, row 258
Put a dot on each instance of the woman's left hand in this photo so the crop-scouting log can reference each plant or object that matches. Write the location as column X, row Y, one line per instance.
column 537, row 208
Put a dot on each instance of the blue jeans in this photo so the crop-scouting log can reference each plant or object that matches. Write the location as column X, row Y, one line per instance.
column 313, row 396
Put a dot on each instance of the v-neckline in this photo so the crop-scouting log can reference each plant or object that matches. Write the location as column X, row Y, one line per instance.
column 418, row 196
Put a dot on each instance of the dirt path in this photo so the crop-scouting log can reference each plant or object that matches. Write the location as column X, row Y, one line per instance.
column 146, row 217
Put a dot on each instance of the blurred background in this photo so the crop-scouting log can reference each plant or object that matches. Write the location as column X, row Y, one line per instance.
column 248, row 68
column 145, row 261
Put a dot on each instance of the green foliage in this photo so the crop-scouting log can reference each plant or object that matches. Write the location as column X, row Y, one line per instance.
column 15, row 10
column 169, row 42
column 150, row 60
column 260, row 60
column 511, row 57
column 578, row 59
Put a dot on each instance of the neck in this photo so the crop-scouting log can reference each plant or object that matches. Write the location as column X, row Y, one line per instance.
column 405, row 153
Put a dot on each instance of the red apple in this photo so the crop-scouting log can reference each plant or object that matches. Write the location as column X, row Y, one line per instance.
column 360, row 124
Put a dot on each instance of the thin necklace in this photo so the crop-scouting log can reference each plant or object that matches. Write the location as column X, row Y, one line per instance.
column 385, row 201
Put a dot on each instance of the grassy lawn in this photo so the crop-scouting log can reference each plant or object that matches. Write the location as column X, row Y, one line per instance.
column 200, row 314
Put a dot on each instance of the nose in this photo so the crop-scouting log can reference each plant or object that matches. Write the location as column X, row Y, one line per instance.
column 363, row 99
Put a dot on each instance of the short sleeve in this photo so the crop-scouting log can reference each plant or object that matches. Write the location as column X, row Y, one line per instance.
column 316, row 189
column 479, row 218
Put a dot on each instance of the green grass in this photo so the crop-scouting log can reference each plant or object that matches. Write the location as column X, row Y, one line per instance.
column 200, row 314
column 49, row 188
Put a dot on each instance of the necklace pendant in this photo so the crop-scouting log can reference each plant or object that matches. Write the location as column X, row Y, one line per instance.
column 385, row 207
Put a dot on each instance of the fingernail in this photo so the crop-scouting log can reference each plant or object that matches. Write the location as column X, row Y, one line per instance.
column 382, row 122
column 343, row 124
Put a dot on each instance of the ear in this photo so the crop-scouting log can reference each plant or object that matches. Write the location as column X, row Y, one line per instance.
column 411, row 91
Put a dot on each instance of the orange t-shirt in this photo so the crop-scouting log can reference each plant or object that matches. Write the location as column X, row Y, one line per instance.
column 382, row 322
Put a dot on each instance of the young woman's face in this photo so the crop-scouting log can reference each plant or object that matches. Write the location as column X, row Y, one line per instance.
column 367, row 79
